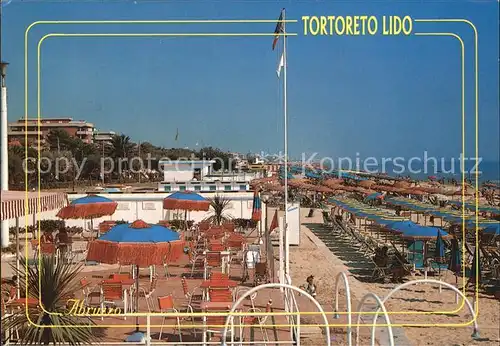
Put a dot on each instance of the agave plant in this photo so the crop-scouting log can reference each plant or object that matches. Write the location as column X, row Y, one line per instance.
column 53, row 284
column 219, row 205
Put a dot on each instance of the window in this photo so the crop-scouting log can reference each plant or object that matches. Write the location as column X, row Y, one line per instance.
column 182, row 188
column 166, row 188
column 197, row 188
column 212, row 187
column 227, row 188
column 243, row 187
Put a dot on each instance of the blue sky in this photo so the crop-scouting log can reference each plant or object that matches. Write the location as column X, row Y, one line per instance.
column 375, row 95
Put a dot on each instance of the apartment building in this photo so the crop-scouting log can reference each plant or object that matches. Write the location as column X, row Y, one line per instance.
column 36, row 130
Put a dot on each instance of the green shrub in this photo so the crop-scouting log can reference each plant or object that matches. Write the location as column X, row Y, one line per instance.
column 177, row 224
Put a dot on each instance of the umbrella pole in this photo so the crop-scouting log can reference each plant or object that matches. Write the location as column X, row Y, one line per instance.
column 137, row 297
column 440, row 287
column 185, row 220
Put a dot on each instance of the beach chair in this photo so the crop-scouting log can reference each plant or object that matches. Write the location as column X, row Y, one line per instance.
column 112, row 293
column 213, row 259
column 211, row 322
column 216, row 246
column 220, row 295
column 166, row 305
column 147, row 295
column 257, row 320
column 261, row 275
column 89, row 292
column 196, row 262
column 381, row 266
column 327, row 220
column 190, row 296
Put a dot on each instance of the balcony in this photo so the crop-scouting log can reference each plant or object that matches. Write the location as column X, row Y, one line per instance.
column 22, row 133
column 85, row 132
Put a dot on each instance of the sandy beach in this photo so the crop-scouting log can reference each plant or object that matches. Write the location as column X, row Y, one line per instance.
column 415, row 303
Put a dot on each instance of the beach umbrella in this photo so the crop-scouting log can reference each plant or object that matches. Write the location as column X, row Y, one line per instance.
column 186, row 200
column 402, row 226
column 439, row 255
column 256, row 207
column 88, row 207
column 493, row 229
column 138, row 244
column 439, row 252
column 475, row 272
column 425, row 233
column 455, row 262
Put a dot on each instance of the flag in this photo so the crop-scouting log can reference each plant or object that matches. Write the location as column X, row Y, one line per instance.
column 279, row 29
column 274, row 222
column 256, row 208
column 282, row 64
column 177, row 134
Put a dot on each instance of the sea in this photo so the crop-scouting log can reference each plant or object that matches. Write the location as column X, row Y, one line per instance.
column 488, row 171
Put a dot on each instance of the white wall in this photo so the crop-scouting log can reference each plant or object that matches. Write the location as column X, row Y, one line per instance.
column 177, row 171
column 178, row 175
column 149, row 207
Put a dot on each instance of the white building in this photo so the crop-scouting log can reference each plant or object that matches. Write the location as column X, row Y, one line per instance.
column 183, row 171
column 149, row 208
column 199, row 176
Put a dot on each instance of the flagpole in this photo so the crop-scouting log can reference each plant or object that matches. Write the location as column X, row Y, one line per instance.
column 287, row 245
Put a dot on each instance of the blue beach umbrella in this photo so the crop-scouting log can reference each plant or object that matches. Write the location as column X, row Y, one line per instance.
column 425, row 233
column 90, row 206
column 139, row 244
column 439, row 252
column 126, row 233
column 455, row 263
column 402, row 226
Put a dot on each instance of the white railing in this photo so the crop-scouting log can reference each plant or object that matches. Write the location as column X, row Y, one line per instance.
column 292, row 306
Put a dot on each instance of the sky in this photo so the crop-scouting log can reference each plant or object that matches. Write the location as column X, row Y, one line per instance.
column 382, row 96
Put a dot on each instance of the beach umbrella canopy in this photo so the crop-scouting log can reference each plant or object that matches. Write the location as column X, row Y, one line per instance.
column 91, row 206
column 425, row 233
column 402, row 226
column 186, row 200
column 137, row 243
column 493, row 229
column 455, row 263
column 439, row 252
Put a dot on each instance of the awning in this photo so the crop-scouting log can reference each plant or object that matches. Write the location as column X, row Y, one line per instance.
column 14, row 203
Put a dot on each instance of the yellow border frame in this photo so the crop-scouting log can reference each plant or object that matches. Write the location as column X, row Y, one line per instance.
column 258, row 34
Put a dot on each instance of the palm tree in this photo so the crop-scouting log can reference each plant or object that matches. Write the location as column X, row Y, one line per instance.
column 121, row 148
column 53, row 284
column 219, row 205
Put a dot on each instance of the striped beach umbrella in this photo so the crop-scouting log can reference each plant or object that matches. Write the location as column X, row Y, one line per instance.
column 88, row 207
column 186, row 200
